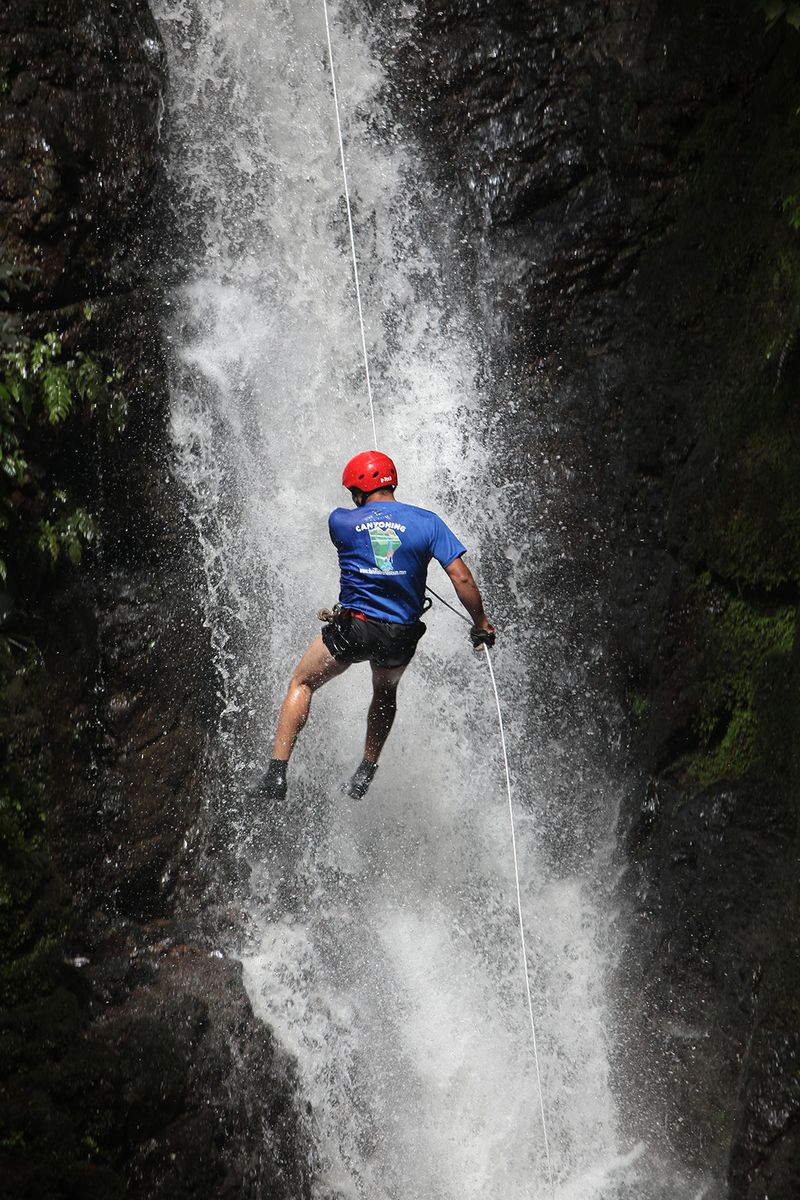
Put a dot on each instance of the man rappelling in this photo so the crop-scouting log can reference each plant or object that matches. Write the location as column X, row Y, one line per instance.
column 384, row 549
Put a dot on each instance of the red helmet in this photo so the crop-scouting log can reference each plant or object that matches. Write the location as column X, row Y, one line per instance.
column 369, row 471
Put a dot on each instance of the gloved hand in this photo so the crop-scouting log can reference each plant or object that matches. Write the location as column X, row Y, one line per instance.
column 481, row 637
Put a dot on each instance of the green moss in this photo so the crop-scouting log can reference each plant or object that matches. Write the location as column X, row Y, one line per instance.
column 740, row 514
column 733, row 757
column 743, row 639
column 771, row 328
column 13, row 1140
column 777, row 10
column 20, row 823
column 742, row 540
column 89, row 1144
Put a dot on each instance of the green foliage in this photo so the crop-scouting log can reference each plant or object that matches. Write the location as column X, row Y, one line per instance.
column 791, row 206
column 67, row 534
column 58, row 1127
column 20, row 826
column 777, row 10
column 743, row 638
column 44, row 390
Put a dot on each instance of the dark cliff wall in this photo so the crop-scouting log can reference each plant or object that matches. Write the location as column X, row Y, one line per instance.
column 624, row 167
column 629, row 169
column 125, row 1043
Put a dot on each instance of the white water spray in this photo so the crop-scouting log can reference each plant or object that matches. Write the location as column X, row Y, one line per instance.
column 388, row 962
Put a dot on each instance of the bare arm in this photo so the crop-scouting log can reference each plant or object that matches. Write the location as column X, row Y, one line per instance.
column 467, row 592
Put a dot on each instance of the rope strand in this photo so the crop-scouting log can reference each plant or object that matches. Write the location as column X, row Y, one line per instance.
column 450, row 606
column 350, row 227
column 442, row 600
column 521, row 921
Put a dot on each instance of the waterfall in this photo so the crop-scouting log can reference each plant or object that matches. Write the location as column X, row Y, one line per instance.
column 381, row 942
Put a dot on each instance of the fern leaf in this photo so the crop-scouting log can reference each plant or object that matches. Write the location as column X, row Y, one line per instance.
column 57, row 394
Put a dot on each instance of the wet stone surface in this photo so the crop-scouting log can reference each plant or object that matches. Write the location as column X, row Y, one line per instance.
column 130, row 1060
column 80, row 103
column 622, row 170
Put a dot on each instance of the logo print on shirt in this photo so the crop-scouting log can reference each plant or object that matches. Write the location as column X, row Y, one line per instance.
column 384, row 544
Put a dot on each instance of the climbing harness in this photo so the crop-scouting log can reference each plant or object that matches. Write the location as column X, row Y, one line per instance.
column 480, row 638
column 330, row 614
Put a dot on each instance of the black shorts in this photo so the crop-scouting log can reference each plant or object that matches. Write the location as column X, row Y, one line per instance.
column 352, row 639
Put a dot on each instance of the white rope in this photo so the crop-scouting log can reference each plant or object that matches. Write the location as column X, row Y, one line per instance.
column 350, row 227
column 485, row 648
column 521, row 922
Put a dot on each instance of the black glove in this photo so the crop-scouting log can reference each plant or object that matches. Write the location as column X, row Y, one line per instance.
column 481, row 637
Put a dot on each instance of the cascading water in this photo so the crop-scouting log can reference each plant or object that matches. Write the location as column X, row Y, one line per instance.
column 383, row 944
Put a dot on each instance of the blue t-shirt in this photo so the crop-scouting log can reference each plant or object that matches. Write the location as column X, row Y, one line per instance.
column 384, row 551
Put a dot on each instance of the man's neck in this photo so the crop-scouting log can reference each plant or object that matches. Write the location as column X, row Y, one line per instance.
column 379, row 497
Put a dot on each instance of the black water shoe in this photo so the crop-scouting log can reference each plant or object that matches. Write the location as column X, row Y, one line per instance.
column 358, row 786
column 273, row 786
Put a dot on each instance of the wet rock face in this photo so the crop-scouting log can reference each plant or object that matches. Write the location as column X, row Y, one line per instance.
column 80, row 171
column 80, row 97
column 622, row 169
column 129, row 739
column 130, row 1060
column 207, row 1109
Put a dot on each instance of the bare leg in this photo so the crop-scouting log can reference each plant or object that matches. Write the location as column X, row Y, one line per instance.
column 382, row 709
column 315, row 668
